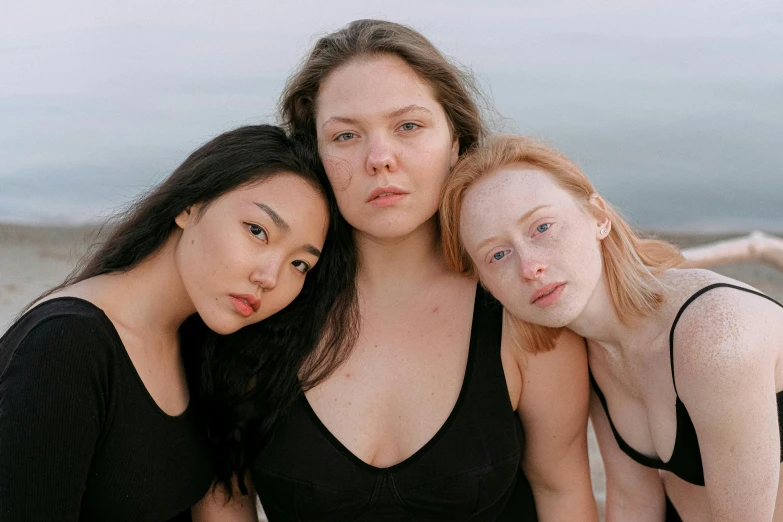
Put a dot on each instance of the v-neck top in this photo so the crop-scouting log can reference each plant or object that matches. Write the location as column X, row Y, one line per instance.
column 468, row 471
column 685, row 461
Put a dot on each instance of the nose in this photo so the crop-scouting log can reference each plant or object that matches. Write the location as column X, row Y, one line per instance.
column 380, row 155
column 531, row 267
column 265, row 274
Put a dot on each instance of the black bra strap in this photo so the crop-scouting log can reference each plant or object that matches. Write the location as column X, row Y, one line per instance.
column 688, row 302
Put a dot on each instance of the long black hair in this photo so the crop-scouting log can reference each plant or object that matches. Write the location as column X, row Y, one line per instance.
column 243, row 382
column 249, row 378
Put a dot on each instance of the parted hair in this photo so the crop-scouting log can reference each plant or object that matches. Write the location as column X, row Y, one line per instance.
column 630, row 261
column 454, row 88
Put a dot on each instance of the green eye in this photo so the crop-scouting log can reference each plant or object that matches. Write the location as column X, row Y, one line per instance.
column 409, row 126
column 345, row 136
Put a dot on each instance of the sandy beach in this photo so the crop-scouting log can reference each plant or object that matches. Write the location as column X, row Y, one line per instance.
column 34, row 259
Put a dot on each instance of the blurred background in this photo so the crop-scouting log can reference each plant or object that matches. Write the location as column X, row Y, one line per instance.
column 674, row 109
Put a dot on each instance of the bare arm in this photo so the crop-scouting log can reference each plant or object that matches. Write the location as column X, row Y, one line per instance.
column 633, row 492
column 214, row 507
column 553, row 407
column 724, row 376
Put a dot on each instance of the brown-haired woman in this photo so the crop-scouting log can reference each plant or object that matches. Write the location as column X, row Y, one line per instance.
column 434, row 413
column 688, row 362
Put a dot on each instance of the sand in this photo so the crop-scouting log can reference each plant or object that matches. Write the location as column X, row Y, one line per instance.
column 34, row 259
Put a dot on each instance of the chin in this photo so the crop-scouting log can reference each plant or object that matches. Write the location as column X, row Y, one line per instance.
column 221, row 326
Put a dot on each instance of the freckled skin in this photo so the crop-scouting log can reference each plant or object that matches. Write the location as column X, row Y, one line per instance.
column 728, row 355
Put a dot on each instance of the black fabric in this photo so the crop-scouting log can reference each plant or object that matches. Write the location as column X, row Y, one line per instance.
column 685, row 461
column 469, row 471
column 671, row 512
column 81, row 439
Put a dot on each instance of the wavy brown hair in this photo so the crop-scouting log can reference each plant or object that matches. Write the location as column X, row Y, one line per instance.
column 630, row 261
column 453, row 86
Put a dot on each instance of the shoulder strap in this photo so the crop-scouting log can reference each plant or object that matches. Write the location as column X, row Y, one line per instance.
column 688, row 302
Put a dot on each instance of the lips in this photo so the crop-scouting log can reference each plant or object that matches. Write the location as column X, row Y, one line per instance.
column 245, row 304
column 545, row 291
column 385, row 192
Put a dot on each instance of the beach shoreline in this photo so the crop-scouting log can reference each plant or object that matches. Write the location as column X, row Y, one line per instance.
column 35, row 258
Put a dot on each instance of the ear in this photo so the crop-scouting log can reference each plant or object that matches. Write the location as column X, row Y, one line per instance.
column 602, row 221
column 186, row 217
column 454, row 153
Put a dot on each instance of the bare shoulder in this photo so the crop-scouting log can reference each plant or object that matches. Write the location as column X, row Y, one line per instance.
column 724, row 330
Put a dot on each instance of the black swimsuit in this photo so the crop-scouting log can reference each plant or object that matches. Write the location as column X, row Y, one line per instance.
column 469, row 471
column 685, row 461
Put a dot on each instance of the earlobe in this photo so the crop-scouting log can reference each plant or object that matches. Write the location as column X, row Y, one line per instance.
column 183, row 218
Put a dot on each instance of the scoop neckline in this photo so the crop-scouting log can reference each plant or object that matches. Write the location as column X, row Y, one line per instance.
column 126, row 357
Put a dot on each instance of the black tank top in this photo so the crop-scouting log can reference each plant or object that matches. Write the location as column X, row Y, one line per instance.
column 468, row 471
column 685, row 461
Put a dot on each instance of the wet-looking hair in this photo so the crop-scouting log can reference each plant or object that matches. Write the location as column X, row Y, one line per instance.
column 630, row 262
column 452, row 86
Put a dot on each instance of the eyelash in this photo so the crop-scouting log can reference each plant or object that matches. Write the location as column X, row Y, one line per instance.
column 256, row 229
column 306, row 265
column 492, row 258
column 547, row 225
column 259, row 229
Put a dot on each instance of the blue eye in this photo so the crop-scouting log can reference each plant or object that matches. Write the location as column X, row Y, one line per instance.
column 409, row 126
column 497, row 256
column 257, row 231
column 542, row 228
column 345, row 136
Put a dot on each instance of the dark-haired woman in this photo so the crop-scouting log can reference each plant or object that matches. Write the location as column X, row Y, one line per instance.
column 96, row 421
column 435, row 413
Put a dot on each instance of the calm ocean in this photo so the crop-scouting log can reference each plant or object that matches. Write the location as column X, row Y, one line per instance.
column 675, row 111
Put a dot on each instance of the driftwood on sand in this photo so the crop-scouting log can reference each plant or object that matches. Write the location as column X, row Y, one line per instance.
column 757, row 246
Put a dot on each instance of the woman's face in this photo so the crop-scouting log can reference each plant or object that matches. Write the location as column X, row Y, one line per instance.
column 536, row 249
column 245, row 256
column 386, row 145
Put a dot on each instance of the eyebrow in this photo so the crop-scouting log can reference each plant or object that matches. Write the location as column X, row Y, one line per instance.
column 278, row 221
column 310, row 249
column 282, row 225
column 409, row 108
column 394, row 114
column 524, row 217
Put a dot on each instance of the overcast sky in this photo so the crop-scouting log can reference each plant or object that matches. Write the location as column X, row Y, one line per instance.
column 100, row 98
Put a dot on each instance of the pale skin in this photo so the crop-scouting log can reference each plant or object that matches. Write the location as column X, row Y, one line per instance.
column 728, row 347
column 233, row 247
column 379, row 125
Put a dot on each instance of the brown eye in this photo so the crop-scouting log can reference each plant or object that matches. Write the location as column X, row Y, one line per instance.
column 257, row 231
column 301, row 266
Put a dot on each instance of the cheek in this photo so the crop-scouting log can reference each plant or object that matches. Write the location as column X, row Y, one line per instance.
column 339, row 171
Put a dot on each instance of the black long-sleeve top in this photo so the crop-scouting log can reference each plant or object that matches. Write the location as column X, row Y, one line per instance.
column 81, row 438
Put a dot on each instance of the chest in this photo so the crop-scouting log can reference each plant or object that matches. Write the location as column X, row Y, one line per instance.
column 402, row 380
column 146, row 464
column 640, row 397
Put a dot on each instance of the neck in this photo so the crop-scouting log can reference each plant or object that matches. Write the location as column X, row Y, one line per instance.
column 599, row 322
column 398, row 267
column 150, row 298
